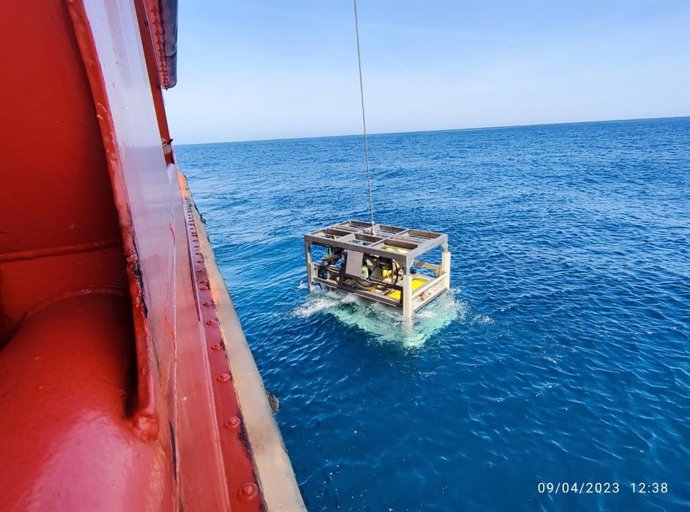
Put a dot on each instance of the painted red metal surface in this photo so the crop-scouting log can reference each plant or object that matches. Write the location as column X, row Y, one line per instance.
column 148, row 18
column 233, row 440
column 156, row 35
column 58, row 223
column 114, row 386
column 67, row 443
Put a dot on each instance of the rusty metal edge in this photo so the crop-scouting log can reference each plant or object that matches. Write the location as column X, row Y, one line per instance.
column 272, row 464
column 146, row 419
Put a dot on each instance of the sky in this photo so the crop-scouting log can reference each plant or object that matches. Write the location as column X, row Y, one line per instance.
column 269, row 69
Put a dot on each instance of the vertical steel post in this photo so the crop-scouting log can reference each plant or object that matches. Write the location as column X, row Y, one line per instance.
column 307, row 254
column 445, row 266
column 407, row 295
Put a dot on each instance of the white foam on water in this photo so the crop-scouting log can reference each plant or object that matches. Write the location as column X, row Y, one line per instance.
column 384, row 323
column 317, row 302
column 483, row 320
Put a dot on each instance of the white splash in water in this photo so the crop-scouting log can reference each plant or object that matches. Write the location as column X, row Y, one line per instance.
column 318, row 302
column 385, row 323
column 483, row 320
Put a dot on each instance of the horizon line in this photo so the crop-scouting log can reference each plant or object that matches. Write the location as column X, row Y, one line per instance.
column 497, row 127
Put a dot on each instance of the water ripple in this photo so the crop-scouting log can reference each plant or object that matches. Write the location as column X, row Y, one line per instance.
column 563, row 353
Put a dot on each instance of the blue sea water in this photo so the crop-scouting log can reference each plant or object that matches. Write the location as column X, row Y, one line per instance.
column 562, row 354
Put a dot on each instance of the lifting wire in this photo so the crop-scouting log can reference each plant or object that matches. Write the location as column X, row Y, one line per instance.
column 364, row 123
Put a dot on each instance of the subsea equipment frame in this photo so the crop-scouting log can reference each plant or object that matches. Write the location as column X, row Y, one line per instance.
column 379, row 263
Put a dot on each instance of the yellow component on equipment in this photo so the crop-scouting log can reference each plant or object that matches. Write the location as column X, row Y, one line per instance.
column 394, row 248
column 417, row 282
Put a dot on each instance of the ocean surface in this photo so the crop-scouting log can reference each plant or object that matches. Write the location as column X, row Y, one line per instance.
column 562, row 354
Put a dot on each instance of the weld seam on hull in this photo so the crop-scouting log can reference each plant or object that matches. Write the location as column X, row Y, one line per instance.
column 59, row 250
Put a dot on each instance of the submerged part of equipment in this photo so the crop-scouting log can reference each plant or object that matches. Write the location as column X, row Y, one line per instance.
column 383, row 267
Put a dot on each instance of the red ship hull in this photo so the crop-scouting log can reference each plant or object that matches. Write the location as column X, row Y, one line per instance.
column 125, row 380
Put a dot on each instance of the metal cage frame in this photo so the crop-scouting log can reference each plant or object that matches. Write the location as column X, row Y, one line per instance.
column 405, row 246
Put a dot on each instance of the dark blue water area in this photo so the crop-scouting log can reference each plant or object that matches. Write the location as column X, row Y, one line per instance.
column 562, row 355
